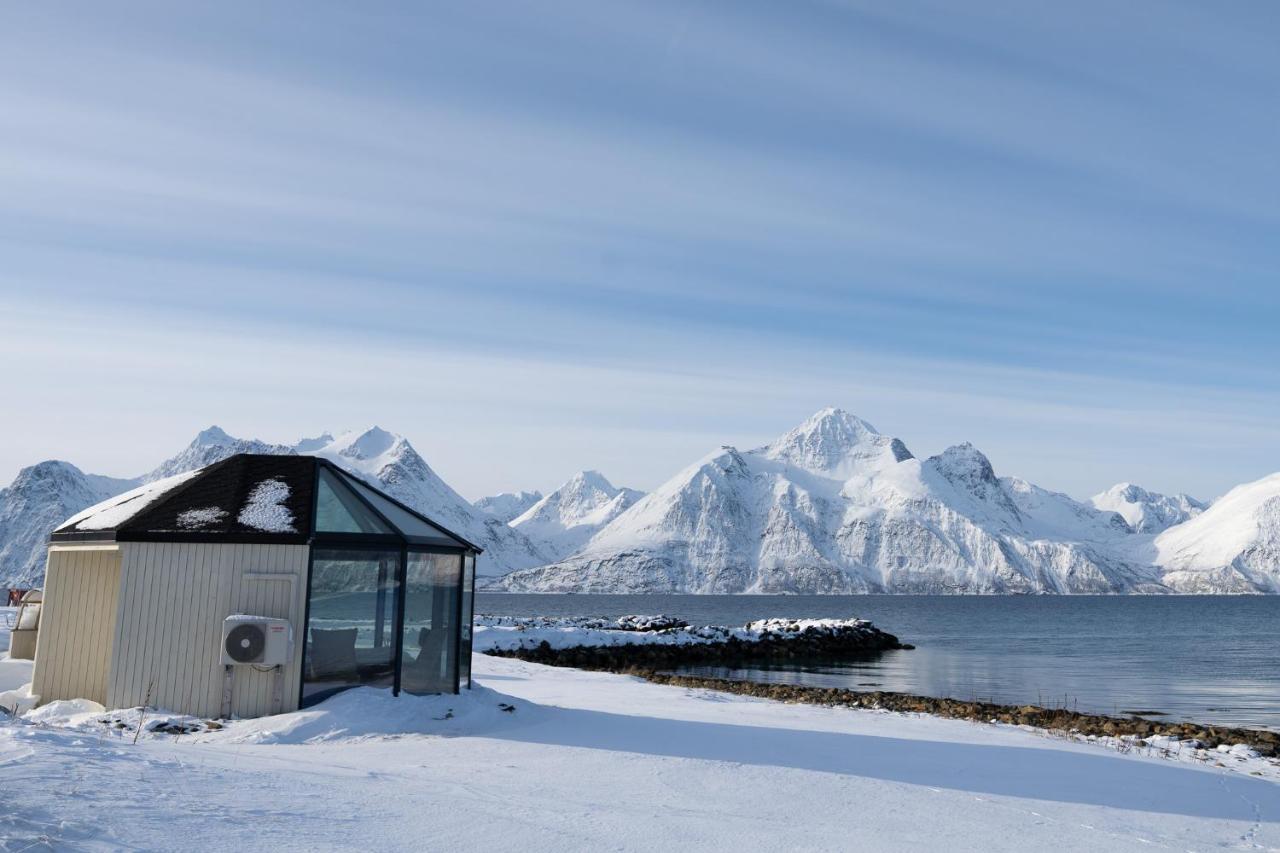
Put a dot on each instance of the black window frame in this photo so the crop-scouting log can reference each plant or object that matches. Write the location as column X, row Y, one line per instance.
column 357, row 542
column 470, row 619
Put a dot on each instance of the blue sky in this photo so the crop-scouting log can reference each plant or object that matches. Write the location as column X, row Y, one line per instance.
column 538, row 237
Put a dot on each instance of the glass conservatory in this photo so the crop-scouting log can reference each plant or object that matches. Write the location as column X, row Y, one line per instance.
column 389, row 597
column 141, row 590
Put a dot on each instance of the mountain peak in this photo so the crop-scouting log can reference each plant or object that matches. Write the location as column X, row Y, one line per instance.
column 369, row 444
column 211, row 445
column 834, row 418
column 1146, row 511
column 1127, row 491
column 48, row 468
column 214, row 436
column 506, row 506
column 589, row 480
column 964, row 461
column 563, row 521
column 831, row 440
column 969, row 470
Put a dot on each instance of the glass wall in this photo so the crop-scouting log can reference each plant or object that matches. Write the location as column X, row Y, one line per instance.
column 431, row 621
column 339, row 511
column 385, row 607
column 404, row 521
column 351, row 625
column 468, row 615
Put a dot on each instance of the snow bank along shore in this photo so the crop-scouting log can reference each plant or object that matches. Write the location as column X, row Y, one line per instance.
column 538, row 758
column 648, row 645
column 663, row 641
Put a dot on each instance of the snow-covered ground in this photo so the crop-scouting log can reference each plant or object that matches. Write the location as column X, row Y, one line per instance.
column 592, row 761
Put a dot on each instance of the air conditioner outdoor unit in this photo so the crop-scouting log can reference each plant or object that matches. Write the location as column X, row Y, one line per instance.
column 258, row 640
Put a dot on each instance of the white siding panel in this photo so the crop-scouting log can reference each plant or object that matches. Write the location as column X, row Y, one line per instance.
column 176, row 596
column 73, row 650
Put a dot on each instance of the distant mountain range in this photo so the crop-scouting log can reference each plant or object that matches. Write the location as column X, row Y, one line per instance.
column 565, row 520
column 44, row 495
column 508, row 506
column 1147, row 512
column 832, row 506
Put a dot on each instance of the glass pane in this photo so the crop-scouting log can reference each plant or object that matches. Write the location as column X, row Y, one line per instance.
column 409, row 524
column 430, row 663
column 351, row 637
column 468, row 616
column 339, row 511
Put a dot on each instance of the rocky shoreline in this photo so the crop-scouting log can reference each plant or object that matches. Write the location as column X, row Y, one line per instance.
column 771, row 641
column 1265, row 743
column 653, row 662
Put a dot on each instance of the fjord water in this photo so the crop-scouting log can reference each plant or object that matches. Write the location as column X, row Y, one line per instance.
column 1209, row 659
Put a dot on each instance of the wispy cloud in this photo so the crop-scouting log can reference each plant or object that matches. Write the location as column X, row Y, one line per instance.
column 609, row 234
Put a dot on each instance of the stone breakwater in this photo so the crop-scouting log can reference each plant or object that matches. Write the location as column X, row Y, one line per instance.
column 773, row 640
column 671, row 644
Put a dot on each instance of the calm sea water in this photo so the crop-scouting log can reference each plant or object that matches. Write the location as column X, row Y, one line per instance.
column 1211, row 659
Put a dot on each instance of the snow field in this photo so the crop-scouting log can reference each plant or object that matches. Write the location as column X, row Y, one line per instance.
column 541, row 758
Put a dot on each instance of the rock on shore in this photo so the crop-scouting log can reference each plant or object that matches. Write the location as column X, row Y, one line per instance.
column 660, row 641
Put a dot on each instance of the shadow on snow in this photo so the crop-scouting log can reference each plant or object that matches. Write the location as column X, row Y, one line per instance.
column 1055, row 775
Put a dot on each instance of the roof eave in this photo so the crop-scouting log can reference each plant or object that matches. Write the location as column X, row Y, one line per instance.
column 60, row 536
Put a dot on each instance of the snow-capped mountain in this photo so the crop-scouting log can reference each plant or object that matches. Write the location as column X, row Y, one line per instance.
column 39, row 499
column 507, row 506
column 835, row 506
column 1147, row 512
column 388, row 461
column 1233, row 546
column 831, row 506
column 209, row 446
column 44, row 495
column 562, row 522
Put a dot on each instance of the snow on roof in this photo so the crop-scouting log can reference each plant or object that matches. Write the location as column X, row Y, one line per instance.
column 194, row 519
column 115, row 511
column 265, row 497
column 243, row 494
column 265, row 509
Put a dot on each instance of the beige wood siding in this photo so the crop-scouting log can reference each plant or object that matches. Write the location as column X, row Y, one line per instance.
column 77, row 624
column 173, row 599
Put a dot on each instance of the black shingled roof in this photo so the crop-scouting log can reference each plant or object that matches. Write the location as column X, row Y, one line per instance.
column 227, row 486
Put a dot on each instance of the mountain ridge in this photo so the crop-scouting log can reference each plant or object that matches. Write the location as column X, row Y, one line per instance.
column 1145, row 511
column 507, row 506
column 833, row 506
column 564, row 520
column 46, row 494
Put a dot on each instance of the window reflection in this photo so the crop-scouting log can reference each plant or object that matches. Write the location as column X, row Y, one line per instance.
column 351, row 629
column 430, row 662
column 340, row 511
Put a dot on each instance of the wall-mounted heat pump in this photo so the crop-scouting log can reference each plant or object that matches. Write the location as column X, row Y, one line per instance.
column 259, row 640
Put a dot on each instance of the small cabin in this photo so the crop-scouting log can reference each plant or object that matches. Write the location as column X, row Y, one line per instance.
column 255, row 585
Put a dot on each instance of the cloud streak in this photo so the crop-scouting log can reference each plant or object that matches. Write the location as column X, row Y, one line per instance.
column 614, row 233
